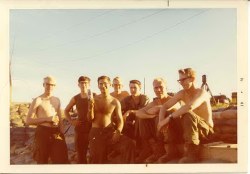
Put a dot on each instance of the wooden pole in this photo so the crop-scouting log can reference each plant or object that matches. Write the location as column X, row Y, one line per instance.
column 144, row 85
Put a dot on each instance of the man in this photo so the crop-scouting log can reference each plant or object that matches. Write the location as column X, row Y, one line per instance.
column 150, row 115
column 104, row 138
column 81, row 123
column 118, row 93
column 130, row 105
column 46, row 114
column 195, row 117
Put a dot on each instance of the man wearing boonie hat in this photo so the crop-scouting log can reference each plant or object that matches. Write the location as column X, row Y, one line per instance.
column 49, row 140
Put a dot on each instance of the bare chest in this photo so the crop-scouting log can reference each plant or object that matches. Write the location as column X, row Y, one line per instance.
column 190, row 99
column 104, row 107
column 47, row 107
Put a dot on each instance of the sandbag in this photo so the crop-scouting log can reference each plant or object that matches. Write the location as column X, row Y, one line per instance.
column 228, row 122
column 229, row 114
column 217, row 129
column 216, row 115
column 227, row 138
column 228, row 129
column 231, row 122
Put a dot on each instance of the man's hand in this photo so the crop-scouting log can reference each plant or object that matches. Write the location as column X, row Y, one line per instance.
column 91, row 103
column 164, row 129
column 54, row 119
column 162, row 123
column 116, row 136
column 127, row 114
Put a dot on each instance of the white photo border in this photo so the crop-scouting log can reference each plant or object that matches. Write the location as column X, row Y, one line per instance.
column 240, row 5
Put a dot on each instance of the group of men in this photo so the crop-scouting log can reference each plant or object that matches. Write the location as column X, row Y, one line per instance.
column 119, row 128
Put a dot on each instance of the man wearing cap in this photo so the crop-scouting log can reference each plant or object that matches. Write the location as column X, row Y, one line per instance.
column 195, row 116
column 49, row 140
column 118, row 93
column 81, row 123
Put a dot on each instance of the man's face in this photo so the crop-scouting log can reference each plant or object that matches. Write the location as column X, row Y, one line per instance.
column 185, row 81
column 48, row 86
column 159, row 88
column 84, row 85
column 134, row 89
column 104, row 85
column 117, row 85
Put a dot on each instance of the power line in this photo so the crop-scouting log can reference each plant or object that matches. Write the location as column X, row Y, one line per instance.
column 10, row 68
column 132, row 43
column 74, row 25
column 104, row 32
column 124, row 46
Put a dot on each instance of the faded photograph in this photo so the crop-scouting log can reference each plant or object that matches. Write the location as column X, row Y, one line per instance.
column 135, row 86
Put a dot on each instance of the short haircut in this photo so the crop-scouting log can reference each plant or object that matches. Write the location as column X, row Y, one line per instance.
column 160, row 79
column 83, row 78
column 135, row 82
column 189, row 72
column 117, row 78
column 103, row 77
column 50, row 78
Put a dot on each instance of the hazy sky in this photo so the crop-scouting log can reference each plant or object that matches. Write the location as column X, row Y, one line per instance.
column 132, row 44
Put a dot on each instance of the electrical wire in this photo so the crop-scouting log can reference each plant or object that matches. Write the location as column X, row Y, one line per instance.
column 103, row 32
column 132, row 43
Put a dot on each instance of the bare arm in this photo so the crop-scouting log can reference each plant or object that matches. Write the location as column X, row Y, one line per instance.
column 118, row 113
column 143, row 114
column 188, row 107
column 144, row 103
column 68, row 109
column 59, row 113
column 31, row 117
column 199, row 98
column 169, row 104
column 90, row 114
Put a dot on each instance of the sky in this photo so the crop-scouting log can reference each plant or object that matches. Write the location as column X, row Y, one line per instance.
column 137, row 44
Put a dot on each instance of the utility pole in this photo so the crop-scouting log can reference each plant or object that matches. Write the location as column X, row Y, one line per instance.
column 10, row 75
column 10, row 82
column 144, row 85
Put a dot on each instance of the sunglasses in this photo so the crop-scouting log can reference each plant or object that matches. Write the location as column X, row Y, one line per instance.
column 183, row 79
column 49, row 84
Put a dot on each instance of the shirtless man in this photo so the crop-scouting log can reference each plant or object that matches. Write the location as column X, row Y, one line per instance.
column 118, row 93
column 195, row 116
column 150, row 115
column 104, row 138
column 81, row 123
column 46, row 114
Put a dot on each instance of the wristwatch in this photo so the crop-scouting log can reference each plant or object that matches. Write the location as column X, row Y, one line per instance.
column 171, row 117
column 117, row 131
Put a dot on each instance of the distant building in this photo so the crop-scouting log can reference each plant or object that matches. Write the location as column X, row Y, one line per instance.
column 234, row 97
column 221, row 99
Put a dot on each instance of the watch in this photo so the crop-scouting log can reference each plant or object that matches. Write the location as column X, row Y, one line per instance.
column 171, row 117
column 117, row 131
